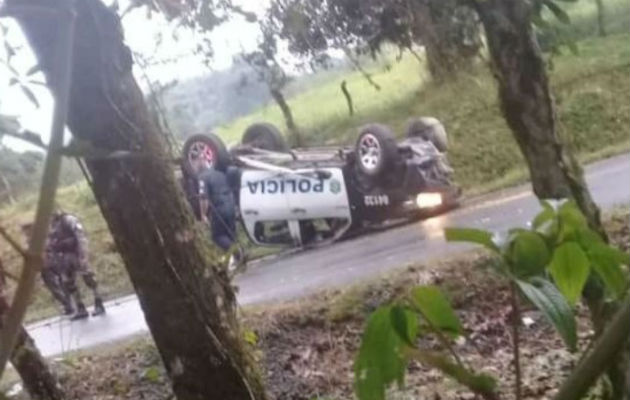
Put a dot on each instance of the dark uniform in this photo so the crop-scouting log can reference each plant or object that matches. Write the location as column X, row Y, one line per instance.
column 193, row 191
column 67, row 258
column 221, row 210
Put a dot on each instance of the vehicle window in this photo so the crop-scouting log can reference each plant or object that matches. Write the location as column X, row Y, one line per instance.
column 273, row 232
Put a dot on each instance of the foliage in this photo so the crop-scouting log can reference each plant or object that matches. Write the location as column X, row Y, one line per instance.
column 313, row 29
column 591, row 91
column 559, row 245
column 548, row 263
column 389, row 343
column 21, row 171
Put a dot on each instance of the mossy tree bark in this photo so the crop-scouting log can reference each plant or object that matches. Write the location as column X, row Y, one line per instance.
column 528, row 107
column 187, row 299
column 39, row 381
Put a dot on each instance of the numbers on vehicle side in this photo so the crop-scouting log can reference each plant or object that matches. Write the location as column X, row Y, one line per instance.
column 376, row 200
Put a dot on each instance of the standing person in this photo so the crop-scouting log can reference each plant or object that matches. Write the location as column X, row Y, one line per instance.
column 221, row 209
column 67, row 239
column 210, row 191
column 52, row 274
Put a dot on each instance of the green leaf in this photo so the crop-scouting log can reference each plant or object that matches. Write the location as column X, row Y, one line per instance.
column 570, row 268
column 546, row 222
column 588, row 238
column 381, row 360
column 9, row 50
column 557, row 11
column 405, row 324
column 572, row 220
column 29, row 94
column 33, row 70
column 606, row 262
column 546, row 297
column 470, row 235
column 478, row 383
column 436, row 309
column 529, row 254
column 547, row 213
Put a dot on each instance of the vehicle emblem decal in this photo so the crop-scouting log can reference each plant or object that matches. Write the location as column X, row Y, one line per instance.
column 335, row 186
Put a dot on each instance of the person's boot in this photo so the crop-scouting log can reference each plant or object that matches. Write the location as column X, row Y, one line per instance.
column 68, row 309
column 81, row 313
column 99, row 307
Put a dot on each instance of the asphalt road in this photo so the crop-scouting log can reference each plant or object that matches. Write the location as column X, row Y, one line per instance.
column 292, row 276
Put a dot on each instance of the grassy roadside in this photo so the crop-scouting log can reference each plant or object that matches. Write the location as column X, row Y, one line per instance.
column 591, row 90
column 306, row 347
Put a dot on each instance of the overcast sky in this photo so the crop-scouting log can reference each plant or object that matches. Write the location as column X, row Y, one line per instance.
column 228, row 40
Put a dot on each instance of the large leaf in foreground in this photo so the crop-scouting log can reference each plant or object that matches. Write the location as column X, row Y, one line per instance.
column 470, row 235
column 570, row 268
column 546, row 297
column 607, row 262
column 529, row 254
column 436, row 309
column 381, row 359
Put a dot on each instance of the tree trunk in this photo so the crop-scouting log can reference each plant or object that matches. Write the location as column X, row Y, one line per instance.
column 187, row 299
column 601, row 24
column 288, row 116
column 528, row 106
column 39, row 381
column 529, row 110
column 346, row 94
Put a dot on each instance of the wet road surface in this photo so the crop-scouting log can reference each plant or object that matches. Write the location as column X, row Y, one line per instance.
column 347, row 262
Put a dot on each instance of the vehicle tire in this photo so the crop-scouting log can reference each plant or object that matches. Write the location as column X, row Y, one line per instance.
column 430, row 129
column 376, row 150
column 208, row 146
column 265, row 136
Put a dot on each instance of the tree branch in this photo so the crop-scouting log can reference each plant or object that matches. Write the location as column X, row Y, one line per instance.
column 50, row 180
column 14, row 243
column 28, row 137
column 357, row 65
column 605, row 351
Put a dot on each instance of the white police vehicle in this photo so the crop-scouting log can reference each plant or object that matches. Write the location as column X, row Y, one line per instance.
column 305, row 197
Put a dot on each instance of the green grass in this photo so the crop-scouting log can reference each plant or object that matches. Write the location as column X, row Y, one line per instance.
column 322, row 111
column 591, row 90
column 105, row 261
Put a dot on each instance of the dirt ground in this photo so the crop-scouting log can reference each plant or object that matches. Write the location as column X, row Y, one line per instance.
column 306, row 348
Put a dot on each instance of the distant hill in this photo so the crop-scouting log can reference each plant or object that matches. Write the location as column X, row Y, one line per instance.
column 21, row 173
column 204, row 103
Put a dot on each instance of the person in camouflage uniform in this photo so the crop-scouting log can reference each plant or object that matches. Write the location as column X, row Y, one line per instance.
column 68, row 242
column 52, row 274
column 65, row 258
